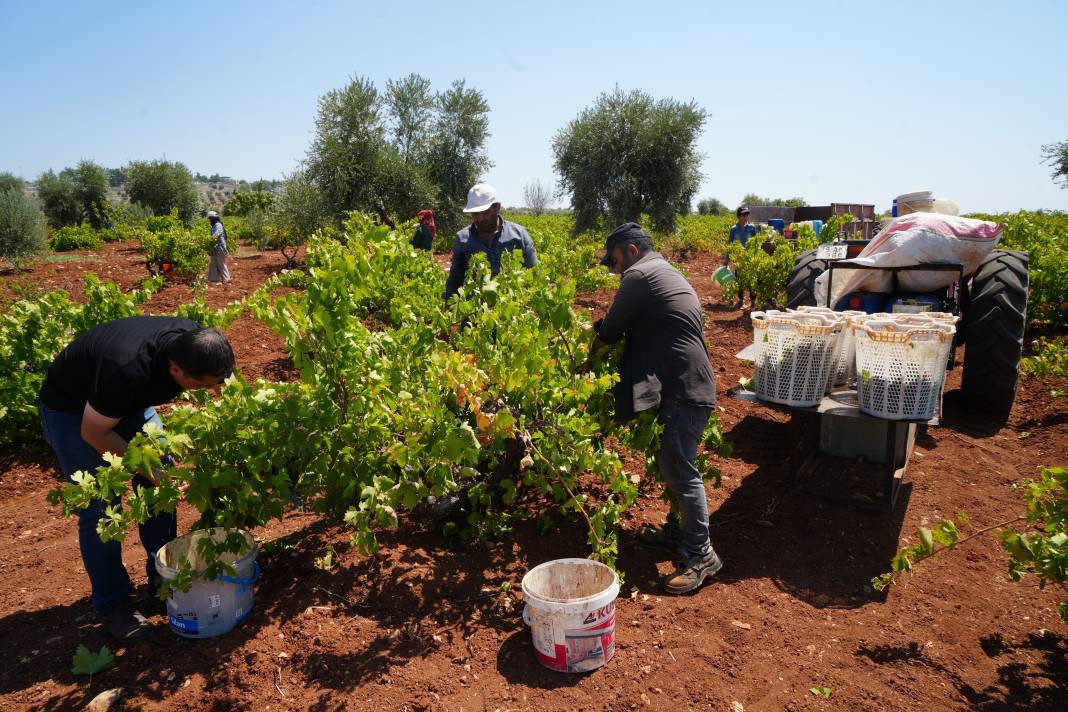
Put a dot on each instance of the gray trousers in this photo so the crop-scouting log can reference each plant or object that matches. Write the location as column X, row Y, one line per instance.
column 217, row 270
column 684, row 428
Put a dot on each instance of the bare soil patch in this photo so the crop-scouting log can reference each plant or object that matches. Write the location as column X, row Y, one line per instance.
column 425, row 625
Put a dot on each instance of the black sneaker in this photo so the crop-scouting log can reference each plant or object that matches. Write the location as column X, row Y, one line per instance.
column 151, row 604
column 691, row 573
column 661, row 538
column 123, row 622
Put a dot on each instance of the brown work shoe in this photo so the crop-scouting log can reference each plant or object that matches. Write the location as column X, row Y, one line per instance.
column 691, row 573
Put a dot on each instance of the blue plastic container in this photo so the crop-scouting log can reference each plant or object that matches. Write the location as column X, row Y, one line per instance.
column 869, row 302
column 778, row 223
column 817, row 225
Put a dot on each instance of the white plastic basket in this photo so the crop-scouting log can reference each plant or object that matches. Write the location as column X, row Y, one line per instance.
column 793, row 357
column 903, row 318
column 845, row 369
column 924, row 318
column 842, row 365
column 901, row 368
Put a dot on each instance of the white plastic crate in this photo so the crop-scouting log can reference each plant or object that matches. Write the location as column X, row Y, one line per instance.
column 794, row 353
column 901, row 368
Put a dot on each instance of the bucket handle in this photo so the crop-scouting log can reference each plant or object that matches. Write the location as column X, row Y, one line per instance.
column 526, row 617
column 245, row 581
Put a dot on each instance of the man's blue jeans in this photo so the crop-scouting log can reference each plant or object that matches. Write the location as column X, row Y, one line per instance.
column 103, row 560
column 684, row 429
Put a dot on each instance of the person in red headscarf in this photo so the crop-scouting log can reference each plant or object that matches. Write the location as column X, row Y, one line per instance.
column 425, row 232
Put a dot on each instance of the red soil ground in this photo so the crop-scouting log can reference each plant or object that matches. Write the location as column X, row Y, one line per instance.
column 424, row 625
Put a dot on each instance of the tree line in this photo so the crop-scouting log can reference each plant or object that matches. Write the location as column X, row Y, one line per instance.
column 404, row 147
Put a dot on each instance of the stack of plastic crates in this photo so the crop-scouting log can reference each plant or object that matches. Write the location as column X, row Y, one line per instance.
column 795, row 353
column 901, row 364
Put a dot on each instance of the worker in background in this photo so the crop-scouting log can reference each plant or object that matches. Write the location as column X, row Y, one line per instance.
column 741, row 232
column 665, row 364
column 488, row 233
column 217, row 270
column 425, row 231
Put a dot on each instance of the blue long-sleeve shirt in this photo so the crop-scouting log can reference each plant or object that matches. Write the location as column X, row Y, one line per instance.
column 742, row 233
column 468, row 242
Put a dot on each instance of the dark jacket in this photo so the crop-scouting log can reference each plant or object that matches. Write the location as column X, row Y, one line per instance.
column 665, row 357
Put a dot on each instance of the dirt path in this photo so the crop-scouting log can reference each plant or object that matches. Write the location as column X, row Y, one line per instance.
column 421, row 625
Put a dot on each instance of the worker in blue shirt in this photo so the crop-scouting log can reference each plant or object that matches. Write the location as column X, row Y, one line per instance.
column 744, row 229
column 488, row 233
column 741, row 233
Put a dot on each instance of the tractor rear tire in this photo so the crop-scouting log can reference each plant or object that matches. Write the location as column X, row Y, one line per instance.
column 801, row 287
column 994, row 331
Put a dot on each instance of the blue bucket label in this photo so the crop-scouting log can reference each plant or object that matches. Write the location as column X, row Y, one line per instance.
column 182, row 625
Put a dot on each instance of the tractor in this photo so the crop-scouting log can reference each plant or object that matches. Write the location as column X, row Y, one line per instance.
column 991, row 304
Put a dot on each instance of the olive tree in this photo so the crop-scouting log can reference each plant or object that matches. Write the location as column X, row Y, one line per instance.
column 1056, row 155
column 406, row 148
column 411, row 107
column 58, row 199
column 162, row 186
column 75, row 195
column 298, row 213
column 348, row 152
column 711, row 206
column 9, row 182
column 456, row 157
column 754, row 199
column 22, row 226
column 629, row 154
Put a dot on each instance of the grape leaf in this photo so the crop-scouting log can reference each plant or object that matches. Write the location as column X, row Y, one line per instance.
column 86, row 662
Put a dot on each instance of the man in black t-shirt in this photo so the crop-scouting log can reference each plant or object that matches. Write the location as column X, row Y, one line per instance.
column 99, row 393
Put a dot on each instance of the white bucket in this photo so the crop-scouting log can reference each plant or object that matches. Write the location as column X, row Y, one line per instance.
column 208, row 608
column 571, row 611
column 919, row 202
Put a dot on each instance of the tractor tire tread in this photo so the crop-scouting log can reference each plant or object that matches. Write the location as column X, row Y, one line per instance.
column 994, row 331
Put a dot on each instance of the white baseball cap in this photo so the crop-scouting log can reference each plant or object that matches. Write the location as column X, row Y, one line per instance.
column 481, row 197
column 212, row 214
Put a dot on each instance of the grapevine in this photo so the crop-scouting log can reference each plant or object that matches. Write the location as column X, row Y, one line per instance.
column 402, row 397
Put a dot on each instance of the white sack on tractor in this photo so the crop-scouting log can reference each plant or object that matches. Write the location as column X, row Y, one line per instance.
column 915, row 239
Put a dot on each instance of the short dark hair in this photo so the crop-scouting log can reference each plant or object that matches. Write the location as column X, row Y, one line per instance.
column 644, row 244
column 201, row 353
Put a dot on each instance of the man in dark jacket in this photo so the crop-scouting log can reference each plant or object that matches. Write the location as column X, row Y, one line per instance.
column 98, row 394
column 665, row 363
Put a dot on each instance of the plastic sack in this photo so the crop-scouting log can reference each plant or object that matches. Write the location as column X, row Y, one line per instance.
column 914, row 239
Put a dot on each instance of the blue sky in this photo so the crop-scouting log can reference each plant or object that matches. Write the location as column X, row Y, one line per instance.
column 831, row 101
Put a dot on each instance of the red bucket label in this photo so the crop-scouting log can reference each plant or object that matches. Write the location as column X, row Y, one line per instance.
column 576, row 643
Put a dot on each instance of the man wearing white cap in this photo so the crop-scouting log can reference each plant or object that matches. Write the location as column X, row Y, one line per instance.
column 488, row 233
